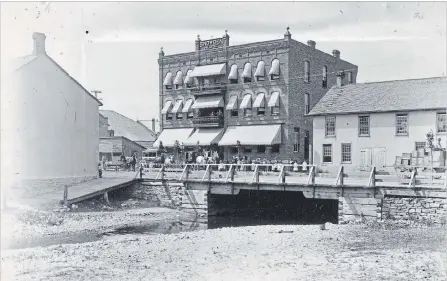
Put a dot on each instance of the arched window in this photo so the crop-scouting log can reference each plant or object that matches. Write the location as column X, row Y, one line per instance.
column 233, row 74
column 246, row 105
column 246, row 74
column 260, row 71
column 168, row 80
column 178, row 81
column 259, row 104
column 274, row 70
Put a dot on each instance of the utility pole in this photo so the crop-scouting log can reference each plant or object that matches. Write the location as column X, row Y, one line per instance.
column 96, row 92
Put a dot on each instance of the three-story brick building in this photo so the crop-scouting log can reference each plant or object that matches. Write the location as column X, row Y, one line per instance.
column 251, row 98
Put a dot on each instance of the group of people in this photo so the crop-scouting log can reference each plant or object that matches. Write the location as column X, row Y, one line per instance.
column 125, row 164
column 247, row 164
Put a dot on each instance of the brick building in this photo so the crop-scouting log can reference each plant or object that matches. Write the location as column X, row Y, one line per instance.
column 252, row 98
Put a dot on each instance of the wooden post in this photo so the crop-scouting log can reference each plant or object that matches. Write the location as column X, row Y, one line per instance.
column 255, row 178
column 372, row 177
column 229, row 173
column 207, row 175
column 185, row 172
column 65, row 194
column 311, row 178
column 282, row 175
column 340, row 177
column 412, row 182
column 106, row 198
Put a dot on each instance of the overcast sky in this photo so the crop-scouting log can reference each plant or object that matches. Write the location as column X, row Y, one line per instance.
column 118, row 55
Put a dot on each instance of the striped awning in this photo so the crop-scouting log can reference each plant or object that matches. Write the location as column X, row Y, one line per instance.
column 247, row 71
column 232, row 103
column 212, row 101
column 177, row 107
column 260, row 70
column 233, row 72
column 252, row 135
column 209, row 70
column 204, row 136
column 168, row 79
column 187, row 106
column 246, row 102
column 274, row 99
column 178, row 78
column 167, row 107
column 259, row 101
column 169, row 136
column 274, row 70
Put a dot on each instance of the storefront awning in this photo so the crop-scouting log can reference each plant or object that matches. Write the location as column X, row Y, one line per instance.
column 187, row 106
column 260, row 70
column 259, row 101
column 209, row 70
column 274, row 70
column 167, row 107
column 178, row 78
column 232, row 103
column 168, row 79
column 213, row 101
column 233, row 72
column 274, row 99
column 205, row 136
column 246, row 102
column 169, row 136
column 252, row 135
column 247, row 70
column 177, row 107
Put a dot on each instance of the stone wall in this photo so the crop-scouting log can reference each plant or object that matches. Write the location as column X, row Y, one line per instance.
column 422, row 209
column 350, row 208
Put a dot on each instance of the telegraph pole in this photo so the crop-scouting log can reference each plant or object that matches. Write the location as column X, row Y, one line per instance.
column 96, row 92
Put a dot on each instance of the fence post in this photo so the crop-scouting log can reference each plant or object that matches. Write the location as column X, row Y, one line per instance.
column 255, row 178
column 340, row 177
column 282, row 175
column 412, row 182
column 311, row 178
column 372, row 177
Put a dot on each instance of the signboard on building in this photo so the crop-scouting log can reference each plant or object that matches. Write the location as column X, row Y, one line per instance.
column 211, row 44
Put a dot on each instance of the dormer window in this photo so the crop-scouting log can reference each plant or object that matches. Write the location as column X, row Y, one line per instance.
column 168, row 81
column 246, row 75
column 274, row 70
column 260, row 71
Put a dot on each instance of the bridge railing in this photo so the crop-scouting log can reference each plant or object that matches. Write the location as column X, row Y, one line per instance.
column 299, row 174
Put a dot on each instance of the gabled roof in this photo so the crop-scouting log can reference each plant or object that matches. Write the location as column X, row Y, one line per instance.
column 128, row 128
column 387, row 96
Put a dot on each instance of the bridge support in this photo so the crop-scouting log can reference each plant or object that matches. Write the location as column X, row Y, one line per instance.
column 106, row 198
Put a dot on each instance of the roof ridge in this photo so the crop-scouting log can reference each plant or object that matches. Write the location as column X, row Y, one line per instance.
column 400, row 80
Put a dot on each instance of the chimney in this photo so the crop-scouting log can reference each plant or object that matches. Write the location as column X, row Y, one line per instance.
column 311, row 44
column 198, row 44
column 340, row 75
column 39, row 43
column 161, row 53
column 287, row 35
column 336, row 54
column 153, row 125
column 226, row 37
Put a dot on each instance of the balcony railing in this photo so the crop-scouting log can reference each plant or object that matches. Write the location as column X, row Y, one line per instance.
column 205, row 89
column 208, row 121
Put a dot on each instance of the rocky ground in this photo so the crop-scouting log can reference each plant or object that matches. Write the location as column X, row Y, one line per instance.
column 378, row 251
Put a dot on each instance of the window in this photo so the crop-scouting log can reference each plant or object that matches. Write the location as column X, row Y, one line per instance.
column 116, row 153
column 234, row 149
column 274, row 110
column 441, row 123
column 179, row 116
column 275, row 148
column 346, row 153
column 261, row 111
column 306, row 103
column 260, row 78
column 169, row 116
column 247, row 149
column 327, row 153
column 233, row 81
column 402, row 124
column 260, row 148
column 306, row 71
column 419, row 144
column 190, row 115
column 247, row 79
column 247, row 112
column 364, row 126
column 168, row 87
column 350, row 77
column 234, row 113
column 274, row 70
column 330, row 126
column 296, row 139
column 324, row 76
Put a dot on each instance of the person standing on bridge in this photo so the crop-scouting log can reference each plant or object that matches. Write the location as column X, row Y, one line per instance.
column 134, row 162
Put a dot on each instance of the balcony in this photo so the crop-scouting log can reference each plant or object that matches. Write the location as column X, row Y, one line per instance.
column 208, row 121
column 208, row 89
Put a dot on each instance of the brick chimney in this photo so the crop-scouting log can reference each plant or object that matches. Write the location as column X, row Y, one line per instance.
column 226, row 39
column 340, row 75
column 153, row 125
column 311, row 44
column 336, row 54
column 39, row 43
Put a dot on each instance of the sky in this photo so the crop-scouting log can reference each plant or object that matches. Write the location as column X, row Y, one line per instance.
column 113, row 46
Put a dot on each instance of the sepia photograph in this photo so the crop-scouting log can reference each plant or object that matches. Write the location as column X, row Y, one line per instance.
column 218, row 140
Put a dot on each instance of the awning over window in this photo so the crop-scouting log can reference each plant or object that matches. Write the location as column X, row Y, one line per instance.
column 246, row 102
column 209, row 70
column 247, row 70
column 189, row 80
column 232, row 103
column 168, row 79
column 205, row 136
column 167, row 107
column 252, row 135
column 260, row 70
column 169, row 136
column 274, row 70
column 213, row 101
column 274, row 99
column 233, row 72
column 178, row 78
column 187, row 106
column 177, row 107
column 259, row 101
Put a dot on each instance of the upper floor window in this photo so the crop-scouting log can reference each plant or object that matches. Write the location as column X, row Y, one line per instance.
column 346, row 153
column 327, row 153
column 441, row 123
column 189, row 80
column 306, row 103
column 232, row 106
column 306, row 71
column 233, row 74
column 324, row 76
column 274, row 103
column 260, row 148
column 274, row 70
column 246, row 105
column 246, row 74
column 330, row 126
column 275, row 148
column 168, row 81
column 259, row 104
column 260, row 71
column 178, row 81
column 402, row 124
column 363, row 126
column 350, row 77
column 419, row 144
column 296, row 139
